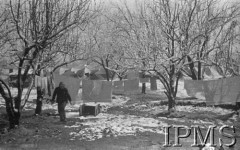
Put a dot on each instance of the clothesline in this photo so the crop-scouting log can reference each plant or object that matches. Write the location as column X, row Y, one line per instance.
column 92, row 90
column 221, row 91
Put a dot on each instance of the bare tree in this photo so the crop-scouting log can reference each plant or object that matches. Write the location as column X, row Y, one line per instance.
column 205, row 27
column 132, row 29
column 60, row 53
column 102, row 45
column 151, row 31
column 37, row 25
column 167, row 53
column 168, row 36
column 227, row 56
column 4, row 88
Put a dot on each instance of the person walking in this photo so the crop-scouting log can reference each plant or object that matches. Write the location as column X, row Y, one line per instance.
column 62, row 99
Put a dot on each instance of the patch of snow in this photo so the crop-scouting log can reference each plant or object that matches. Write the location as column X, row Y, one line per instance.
column 202, row 122
column 234, row 118
column 72, row 114
column 216, row 110
column 173, row 119
column 140, row 107
column 74, row 126
column 116, row 125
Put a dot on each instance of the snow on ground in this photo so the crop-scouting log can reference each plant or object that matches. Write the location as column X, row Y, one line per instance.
column 106, row 125
column 111, row 124
column 118, row 100
column 217, row 110
column 188, row 109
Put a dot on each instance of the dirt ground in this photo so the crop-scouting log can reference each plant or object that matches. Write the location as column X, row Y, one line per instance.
column 131, row 122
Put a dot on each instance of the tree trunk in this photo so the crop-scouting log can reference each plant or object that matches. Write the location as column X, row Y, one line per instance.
column 106, row 70
column 17, row 99
column 107, row 73
column 120, row 78
column 10, row 113
column 171, row 102
column 28, row 94
column 112, row 75
column 9, row 108
column 171, row 97
column 199, row 70
column 40, row 94
column 17, row 112
column 143, row 84
column 170, row 92
column 191, row 66
column 143, row 88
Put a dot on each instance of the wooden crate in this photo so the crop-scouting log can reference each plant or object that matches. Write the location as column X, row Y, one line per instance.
column 86, row 110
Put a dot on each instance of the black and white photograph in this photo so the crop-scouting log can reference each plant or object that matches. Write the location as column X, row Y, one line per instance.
column 119, row 74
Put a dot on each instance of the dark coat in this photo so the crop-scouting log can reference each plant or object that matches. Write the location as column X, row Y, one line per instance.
column 62, row 95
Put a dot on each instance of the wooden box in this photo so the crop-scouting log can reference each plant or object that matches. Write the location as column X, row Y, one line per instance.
column 86, row 110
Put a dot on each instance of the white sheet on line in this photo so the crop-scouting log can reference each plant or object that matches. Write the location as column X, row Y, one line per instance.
column 96, row 91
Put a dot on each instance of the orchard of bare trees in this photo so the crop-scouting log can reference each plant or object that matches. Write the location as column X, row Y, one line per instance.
column 167, row 38
column 172, row 38
column 35, row 34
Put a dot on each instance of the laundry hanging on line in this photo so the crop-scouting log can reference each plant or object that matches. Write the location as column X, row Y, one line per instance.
column 215, row 92
column 41, row 82
column 38, row 81
column 105, row 94
column 87, row 86
column 131, row 85
column 50, row 86
column 45, row 83
column 222, row 91
column 153, row 81
column 96, row 91
column 118, row 87
column 194, row 88
column 97, row 85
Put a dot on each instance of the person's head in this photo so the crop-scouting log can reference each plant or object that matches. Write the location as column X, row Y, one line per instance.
column 61, row 85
